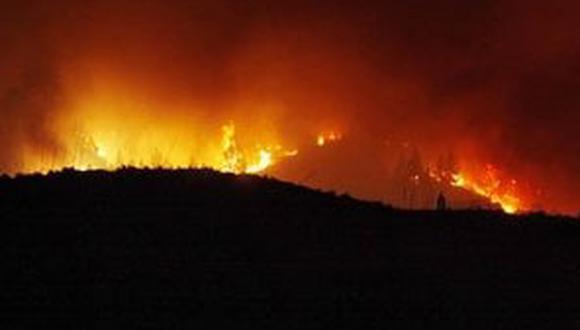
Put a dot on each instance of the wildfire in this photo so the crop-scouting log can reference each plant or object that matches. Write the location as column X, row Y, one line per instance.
column 492, row 188
column 327, row 137
column 233, row 160
column 236, row 162
column 105, row 142
column 98, row 151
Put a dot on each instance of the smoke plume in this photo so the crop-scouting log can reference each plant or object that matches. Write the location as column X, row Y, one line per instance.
column 491, row 81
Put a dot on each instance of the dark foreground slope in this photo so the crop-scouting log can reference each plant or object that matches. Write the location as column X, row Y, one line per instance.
column 199, row 249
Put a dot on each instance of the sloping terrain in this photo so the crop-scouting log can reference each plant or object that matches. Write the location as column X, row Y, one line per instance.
column 197, row 248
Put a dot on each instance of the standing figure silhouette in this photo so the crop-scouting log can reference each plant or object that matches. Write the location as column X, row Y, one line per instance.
column 441, row 202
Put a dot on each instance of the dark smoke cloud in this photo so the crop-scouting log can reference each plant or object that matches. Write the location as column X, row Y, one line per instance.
column 494, row 80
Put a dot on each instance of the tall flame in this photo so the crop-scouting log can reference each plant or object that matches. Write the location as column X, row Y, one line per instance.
column 97, row 151
column 259, row 160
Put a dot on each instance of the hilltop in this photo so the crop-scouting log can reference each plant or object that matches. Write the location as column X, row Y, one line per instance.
column 167, row 248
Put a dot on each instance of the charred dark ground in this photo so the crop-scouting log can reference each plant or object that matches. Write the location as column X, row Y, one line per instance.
column 161, row 249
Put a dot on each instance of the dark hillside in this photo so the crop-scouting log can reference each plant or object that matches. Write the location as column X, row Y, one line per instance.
column 197, row 248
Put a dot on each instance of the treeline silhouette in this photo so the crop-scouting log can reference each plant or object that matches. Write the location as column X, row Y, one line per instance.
column 185, row 248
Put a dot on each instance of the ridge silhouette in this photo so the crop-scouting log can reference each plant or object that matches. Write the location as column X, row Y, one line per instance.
column 184, row 248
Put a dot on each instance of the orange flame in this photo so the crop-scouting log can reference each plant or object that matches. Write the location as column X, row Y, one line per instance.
column 97, row 151
column 492, row 188
column 256, row 162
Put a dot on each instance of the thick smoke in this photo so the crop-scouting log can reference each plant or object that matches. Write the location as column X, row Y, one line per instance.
column 491, row 81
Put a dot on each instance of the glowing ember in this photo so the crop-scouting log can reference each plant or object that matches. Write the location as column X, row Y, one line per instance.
column 327, row 137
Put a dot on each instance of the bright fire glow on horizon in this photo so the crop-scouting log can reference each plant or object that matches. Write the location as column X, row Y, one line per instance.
column 92, row 153
column 359, row 102
column 506, row 198
column 98, row 139
column 486, row 183
column 91, row 150
column 110, row 130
